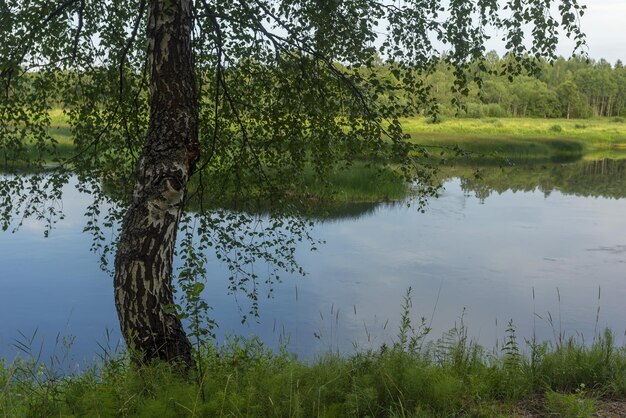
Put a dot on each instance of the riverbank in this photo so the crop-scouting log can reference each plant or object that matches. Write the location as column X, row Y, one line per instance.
column 446, row 377
column 412, row 378
column 520, row 139
column 593, row 134
column 453, row 144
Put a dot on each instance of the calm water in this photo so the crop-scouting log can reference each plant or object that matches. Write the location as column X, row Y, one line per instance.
column 476, row 257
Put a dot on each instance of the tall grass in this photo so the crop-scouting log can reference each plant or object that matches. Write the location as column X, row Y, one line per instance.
column 358, row 183
column 413, row 377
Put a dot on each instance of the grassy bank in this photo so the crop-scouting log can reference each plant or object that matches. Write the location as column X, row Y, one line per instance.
column 522, row 138
column 514, row 138
column 596, row 132
column 450, row 377
column 463, row 142
column 414, row 376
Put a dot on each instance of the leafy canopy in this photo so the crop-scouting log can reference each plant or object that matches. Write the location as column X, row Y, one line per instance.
column 285, row 86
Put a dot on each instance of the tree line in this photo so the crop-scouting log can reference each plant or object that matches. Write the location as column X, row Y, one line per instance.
column 561, row 88
column 565, row 88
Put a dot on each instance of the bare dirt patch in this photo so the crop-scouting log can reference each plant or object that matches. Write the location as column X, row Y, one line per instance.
column 605, row 408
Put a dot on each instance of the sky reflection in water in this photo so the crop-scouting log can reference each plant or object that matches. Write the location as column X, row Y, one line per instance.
column 470, row 257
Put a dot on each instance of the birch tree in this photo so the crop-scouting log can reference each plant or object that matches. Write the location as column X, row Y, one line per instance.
column 182, row 101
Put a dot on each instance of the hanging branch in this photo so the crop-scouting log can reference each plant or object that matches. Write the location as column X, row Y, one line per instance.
column 79, row 28
column 19, row 55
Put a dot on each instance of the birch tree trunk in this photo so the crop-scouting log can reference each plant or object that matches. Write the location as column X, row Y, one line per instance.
column 143, row 264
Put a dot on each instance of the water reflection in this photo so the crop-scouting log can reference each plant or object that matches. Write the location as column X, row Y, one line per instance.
column 488, row 244
column 596, row 178
column 588, row 178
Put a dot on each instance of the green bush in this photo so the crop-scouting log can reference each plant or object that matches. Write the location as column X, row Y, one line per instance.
column 495, row 110
column 569, row 405
column 474, row 111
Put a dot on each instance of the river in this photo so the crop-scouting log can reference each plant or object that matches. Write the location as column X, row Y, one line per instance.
column 533, row 248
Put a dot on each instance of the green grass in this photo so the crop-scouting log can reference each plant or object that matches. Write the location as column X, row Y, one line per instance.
column 519, row 138
column 358, row 183
column 413, row 377
column 497, row 139
column 569, row 405
column 449, row 377
column 597, row 132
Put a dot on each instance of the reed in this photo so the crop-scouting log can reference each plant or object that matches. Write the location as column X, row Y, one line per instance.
column 413, row 377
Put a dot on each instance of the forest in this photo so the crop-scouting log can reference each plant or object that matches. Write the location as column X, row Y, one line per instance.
column 564, row 88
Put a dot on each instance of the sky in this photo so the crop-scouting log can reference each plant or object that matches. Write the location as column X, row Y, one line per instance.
column 604, row 23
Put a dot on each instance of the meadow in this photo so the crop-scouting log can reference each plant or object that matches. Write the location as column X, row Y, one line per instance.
column 414, row 377
column 520, row 139
column 507, row 137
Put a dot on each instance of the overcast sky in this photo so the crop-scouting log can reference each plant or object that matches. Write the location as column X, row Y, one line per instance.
column 604, row 23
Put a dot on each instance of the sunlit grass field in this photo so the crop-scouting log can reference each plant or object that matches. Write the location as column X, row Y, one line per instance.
column 596, row 131
column 593, row 135
column 522, row 137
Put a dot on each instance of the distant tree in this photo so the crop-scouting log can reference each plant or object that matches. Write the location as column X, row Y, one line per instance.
column 531, row 97
column 178, row 101
column 597, row 85
column 569, row 96
column 619, row 77
column 496, row 90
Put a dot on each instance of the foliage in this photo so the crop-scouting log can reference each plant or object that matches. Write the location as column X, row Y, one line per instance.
column 570, row 405
column 449, row 377
column 284, row 86
column 281, row 83
column 567, row 88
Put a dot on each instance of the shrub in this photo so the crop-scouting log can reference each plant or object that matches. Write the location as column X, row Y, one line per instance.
column 495, row 110
column 474, row 111
column 569, row 405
